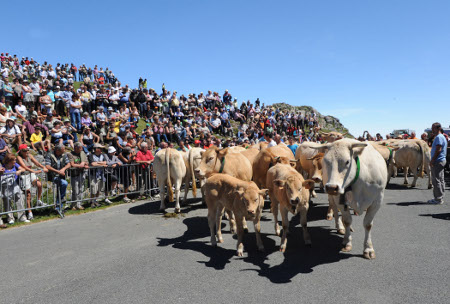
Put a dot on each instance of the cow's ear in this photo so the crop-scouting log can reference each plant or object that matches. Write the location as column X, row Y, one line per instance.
column 264, row 192
column 223, row 152
column 308, row 184
column 292, row 164
column 239, row 193
column 358, row 148
column 279, row 183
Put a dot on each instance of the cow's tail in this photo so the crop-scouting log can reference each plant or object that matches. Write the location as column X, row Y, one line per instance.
column 191, row 168
column 169, row 182
column 423, row 160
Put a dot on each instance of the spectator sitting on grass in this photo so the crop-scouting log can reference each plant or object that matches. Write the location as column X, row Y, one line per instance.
column 11, row 133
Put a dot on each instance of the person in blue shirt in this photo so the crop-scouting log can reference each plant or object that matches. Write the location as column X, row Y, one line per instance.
column 292, row 145
column 437, row 163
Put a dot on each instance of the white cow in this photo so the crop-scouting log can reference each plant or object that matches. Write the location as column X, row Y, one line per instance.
column 340, row 172
column 170, row 169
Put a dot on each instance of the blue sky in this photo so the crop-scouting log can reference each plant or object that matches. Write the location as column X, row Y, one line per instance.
column 376, row 65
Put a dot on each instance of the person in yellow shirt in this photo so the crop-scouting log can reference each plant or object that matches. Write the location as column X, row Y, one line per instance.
column 116, row 123
column 36, row 140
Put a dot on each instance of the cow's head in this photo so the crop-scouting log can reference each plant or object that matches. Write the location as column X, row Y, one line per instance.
column 210, row 162
column 294, row 188
column 251, row 200
column 317, row 165
column 339, row 165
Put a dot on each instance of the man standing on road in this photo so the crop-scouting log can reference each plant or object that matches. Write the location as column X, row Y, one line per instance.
column 437, row 163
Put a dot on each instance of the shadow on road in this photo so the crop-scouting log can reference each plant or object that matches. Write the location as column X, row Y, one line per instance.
column 392, row 186
column 405, row 204
column 440, row 216
column 153, row 207
column 297, row 259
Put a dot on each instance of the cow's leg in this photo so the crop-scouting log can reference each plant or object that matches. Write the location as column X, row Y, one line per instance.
column 240, row 235
column 186, row 190
column 285, row 223
column 347, row 220
column 330, row 211
column 162, row 191
column 232, row 221
column 313, row 193
column 177, row 195
column 304, row 222
column 416, row 175
column 219, row 213
column 212, row 222
column 395, row 171
column 337, row 219
column 259, row 242
column 405, row 172
column 274, row 208
column 369, row 252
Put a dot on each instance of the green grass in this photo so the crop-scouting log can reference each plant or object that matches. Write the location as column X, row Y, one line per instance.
column 47, row 214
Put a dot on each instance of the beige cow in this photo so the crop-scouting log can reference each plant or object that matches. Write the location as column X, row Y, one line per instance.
column 265, row 160
column 241, row 198
column 309, row 162
column 250, row 154
column 332, row 136
column 415, row 156
column 215, row 160
column 288, row 191
column 170, row 169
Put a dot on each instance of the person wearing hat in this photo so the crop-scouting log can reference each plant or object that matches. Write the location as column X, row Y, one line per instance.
column 29, row 177
column 69, row 134
column 11, row 133
column 88, row 139
column 112, row 172
column 97, row 177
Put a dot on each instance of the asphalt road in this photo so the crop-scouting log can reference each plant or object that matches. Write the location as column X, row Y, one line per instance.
column 131, row 254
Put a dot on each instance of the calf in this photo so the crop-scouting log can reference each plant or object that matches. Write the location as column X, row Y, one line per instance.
column 289, row 191
column 244, row 199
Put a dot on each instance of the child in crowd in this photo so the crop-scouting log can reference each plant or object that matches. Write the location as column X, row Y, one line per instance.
column 36, row 140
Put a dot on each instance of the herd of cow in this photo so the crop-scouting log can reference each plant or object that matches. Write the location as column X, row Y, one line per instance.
column 236, row 181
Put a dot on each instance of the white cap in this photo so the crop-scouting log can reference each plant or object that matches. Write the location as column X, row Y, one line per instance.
column 111, row 149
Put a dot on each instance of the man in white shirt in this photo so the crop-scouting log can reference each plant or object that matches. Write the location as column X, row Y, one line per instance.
column 269, row 138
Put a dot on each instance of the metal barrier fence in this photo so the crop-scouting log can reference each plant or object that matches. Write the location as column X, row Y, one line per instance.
column 24, row 193
column 27, row 192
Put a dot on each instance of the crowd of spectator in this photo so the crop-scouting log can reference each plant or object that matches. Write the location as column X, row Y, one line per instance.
column 94, row 123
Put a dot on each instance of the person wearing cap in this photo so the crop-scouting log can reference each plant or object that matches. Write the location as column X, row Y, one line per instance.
column 97, row 177
column 57, row 163
column 37, row 142
column 111, row 172
column 437, row 163
column 29, row 177
column 10, row 191
column 11, row 133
